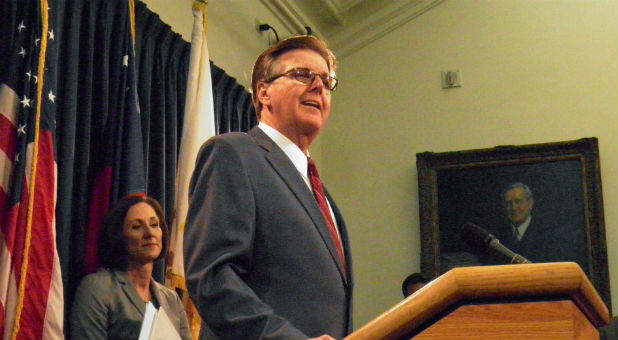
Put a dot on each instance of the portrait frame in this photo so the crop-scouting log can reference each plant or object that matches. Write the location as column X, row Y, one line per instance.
column 459, row 187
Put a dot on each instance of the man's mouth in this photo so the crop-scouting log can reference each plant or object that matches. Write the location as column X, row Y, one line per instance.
column 311, row 103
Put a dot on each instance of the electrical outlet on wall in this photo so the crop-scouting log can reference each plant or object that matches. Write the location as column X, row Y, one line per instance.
column 450, row 79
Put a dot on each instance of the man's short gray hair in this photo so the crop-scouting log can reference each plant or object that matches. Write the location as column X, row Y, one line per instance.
column 526, row 189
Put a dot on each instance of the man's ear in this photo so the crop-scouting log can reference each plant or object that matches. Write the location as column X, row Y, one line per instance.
column 262, row 93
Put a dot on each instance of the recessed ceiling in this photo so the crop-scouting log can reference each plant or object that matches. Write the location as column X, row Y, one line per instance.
column 347, row 25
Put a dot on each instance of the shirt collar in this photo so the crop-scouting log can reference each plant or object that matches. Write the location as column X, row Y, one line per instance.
column 523, row 227
column 294, row 153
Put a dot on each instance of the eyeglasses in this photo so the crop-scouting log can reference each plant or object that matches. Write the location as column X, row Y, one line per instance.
column 306, row 76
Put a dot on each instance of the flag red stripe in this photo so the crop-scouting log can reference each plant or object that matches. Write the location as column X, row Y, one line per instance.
column 99, row 205
column 2, row 313
column 4, row 205
column 42, row 243
column 15, row 228
column 14, row 232
column 8, row 141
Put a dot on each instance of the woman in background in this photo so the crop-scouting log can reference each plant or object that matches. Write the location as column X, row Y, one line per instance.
column 110, row 304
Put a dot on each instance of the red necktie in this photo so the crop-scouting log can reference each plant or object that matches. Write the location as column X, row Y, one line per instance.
column 318, row 192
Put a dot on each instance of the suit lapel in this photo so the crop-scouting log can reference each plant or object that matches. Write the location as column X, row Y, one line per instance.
column 129, row 291
column 156, row 291
column 286, row 170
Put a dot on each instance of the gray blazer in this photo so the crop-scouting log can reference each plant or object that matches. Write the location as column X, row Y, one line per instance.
column 107, row 306
column 259, row 260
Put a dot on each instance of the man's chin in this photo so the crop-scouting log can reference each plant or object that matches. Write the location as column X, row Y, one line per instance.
column 312, row 125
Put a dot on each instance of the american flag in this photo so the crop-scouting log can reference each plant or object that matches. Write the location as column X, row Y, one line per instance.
column 31, row 295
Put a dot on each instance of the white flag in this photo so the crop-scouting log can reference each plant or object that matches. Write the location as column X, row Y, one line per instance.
column 199, row 125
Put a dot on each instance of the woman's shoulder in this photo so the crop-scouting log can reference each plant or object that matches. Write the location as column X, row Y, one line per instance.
column 165, row 291
column 102, row 278
column 95, row 289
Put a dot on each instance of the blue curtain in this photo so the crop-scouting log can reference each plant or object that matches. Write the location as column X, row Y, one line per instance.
column 119, row 116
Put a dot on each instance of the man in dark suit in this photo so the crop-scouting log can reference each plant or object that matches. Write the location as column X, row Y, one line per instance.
column 263, row 259
column 524, row 234
column 539, row 237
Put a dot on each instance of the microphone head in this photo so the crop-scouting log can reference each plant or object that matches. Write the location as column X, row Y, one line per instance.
column 475, row 236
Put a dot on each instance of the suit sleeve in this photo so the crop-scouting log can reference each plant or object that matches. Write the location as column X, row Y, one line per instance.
column 218, row 249
column 89, row 311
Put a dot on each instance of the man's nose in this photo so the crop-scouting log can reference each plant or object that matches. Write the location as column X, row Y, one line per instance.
column 317, row 83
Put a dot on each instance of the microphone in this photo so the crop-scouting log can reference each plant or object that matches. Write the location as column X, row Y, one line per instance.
column 478, row 237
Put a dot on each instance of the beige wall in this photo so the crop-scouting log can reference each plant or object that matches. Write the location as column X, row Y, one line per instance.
column 233, row 39
column 533, row 71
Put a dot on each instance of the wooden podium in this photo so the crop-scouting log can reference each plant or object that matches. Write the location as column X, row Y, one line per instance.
column 543, row 301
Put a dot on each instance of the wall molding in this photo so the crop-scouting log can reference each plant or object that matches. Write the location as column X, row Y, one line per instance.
column 347, row 25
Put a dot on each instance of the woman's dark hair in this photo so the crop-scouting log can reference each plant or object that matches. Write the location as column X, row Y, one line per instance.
column 112, row 249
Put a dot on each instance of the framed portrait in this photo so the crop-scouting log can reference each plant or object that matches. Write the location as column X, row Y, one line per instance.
column 542, row 201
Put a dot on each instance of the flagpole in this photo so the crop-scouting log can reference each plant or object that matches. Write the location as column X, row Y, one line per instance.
column 132, row 18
